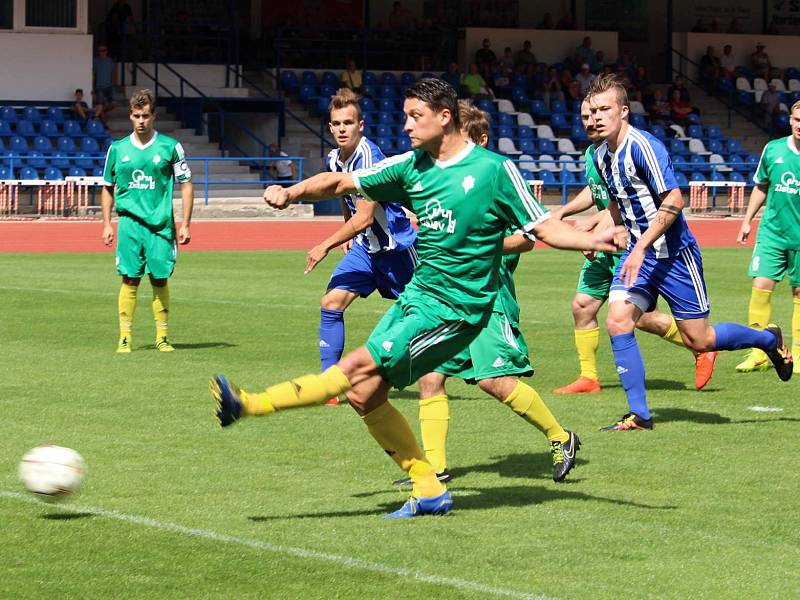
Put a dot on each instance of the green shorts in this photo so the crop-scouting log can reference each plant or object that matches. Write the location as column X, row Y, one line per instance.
column 141, row 251
column 416, row 335
column 499, row 350
column 596, row 275
column 773, row 262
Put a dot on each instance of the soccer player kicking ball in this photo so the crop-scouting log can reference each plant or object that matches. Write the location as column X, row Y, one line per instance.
column 465, row 197
column 138, row 177
column 594, row 284
column 495, row 359
column 777, row 248
column 382, row 255
column 662, row 257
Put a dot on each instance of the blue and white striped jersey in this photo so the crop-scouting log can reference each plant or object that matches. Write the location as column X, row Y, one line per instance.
column 391, row 229
column 636, row 174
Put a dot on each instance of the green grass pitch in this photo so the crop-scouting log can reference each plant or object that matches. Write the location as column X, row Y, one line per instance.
column 705, row 506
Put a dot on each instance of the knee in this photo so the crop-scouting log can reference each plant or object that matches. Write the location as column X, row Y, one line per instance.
column 619, row 324
column 134, row 281
column 431, row 385
column 333, row 302
column 158, row 282
column 498, row 387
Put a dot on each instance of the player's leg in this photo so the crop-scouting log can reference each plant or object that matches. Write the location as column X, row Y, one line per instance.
column 126, row 305
column 160, row 255
column 794, row 281
column 434, row 420
column 131, row 266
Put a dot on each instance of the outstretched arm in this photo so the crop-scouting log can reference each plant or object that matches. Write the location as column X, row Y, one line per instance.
column 363, row 218
column 319, row 187
column 560, row 235
column 517, row 243
column 583, row 201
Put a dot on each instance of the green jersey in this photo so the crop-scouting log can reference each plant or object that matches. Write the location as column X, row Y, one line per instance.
column 779, row 167
column 143, row 176
column 506, row 301
column 596, row 184
column 464, row 206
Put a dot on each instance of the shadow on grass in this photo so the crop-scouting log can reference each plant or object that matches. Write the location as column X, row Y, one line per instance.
column 665, row 415
column 481, row 499
column 656, row 384
column 195, row 346
column 62, row 516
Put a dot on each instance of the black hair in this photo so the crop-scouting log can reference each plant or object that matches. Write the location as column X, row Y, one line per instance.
column 438, row 94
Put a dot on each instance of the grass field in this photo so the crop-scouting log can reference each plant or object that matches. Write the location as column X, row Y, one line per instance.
column 705, row 506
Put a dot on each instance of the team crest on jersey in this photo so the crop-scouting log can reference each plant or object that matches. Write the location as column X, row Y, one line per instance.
column 438, row 218
column 141, row 181
column 156, row 159
column 788, row 184
column 468, row 183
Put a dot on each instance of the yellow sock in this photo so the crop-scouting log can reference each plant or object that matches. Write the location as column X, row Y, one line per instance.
column 527, row 403
column 303, row 391
column 126, row 306
column 758, row 315
column 161, row 310
column 673, row 336
column 587, row 341
column 796, row 329
column 391, row 431
column 434, row 421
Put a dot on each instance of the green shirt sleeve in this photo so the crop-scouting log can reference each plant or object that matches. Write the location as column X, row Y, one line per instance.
column 762, row 173
column 385, row 182
column 179, row 166
column 110, row 170
column 515, row 200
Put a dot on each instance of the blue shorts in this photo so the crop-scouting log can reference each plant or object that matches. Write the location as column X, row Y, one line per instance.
column 362, row 272
column 678, row 279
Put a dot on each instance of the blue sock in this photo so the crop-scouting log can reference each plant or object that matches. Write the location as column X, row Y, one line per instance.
column 732, row 336
column 331, row 337
column 630, row 367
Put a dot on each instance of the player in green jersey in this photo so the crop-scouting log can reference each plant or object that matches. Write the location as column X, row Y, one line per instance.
column 138, row 176
column 594, row 284
column 465, row 198
column 777, row 248
column 495, row 359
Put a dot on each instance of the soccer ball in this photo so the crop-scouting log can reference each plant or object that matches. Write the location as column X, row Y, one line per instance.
column 52, row 472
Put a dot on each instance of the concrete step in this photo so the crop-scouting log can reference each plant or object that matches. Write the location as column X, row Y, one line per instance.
column 249, row 211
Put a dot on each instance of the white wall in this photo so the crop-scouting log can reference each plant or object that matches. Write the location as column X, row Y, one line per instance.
column 548, row 46
column 748, row 13
column 200, row 76
column 45, row 66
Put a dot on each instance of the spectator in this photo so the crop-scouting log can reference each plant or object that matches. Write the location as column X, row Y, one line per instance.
column 552, row 87
column 709, row 66
column 485, row 58
column 642, row 84
column 599, row 61
column 572, row 93
column 506, row 62
column 79, row 107
column 770, row 104
column 584, row 53
column 351, row 77
column 473, row 81
column 679, row 85
column 567, row 79
column 105, row 78
column 584, row 78
column 760, row 63
column 281, row 170
column 679, row 109
column 453, row 77
column 546, row 22
column 628, row 62
column 727, row 62
column 659, row 109
column 525, row 60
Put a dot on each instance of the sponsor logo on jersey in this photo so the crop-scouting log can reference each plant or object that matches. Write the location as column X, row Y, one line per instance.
column 141, row 181
column 789, row 184
column 468, row 183
column 438, row 218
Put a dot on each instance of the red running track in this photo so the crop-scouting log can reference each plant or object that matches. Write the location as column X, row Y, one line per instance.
column 84, row 236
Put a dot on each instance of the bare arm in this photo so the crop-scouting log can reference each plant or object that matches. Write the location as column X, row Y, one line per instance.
column 583, row 201
column 517, row 244
column 318, row 187
column 560, row 235
column 187, row 201
column 363, row 218
column 757, row 198
column 106, row 202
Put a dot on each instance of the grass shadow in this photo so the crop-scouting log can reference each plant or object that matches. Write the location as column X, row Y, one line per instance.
column 655, row 384
column 665, row 415
column 195, row 346
column 66, row 516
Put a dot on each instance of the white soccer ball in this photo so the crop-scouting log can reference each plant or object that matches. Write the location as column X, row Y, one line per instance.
column 52, row 472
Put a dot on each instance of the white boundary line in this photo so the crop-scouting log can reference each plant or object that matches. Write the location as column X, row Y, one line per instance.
column 346, row 561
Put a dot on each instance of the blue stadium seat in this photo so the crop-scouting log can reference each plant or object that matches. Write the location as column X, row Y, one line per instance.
column 558, row 106
column 734, row 145
column 385, row 144
column 576, row 106
column 322, row 106
column 558, row 121
column 699, row 163
column 26, row 128
column 539, row 108
column 326, row 91
column 547, row 146
column 5, row 128
column 697, row 176
column 523, row 131
column 505, row 131
column 567, row 177
column 388, row 105
column 366, row 104
column 384, row 131
column 49, row 128
column 36, row 160
column 6, row 172
column 2, row 144
column 94, row 128
column 781, row 122
column 548, row 178
column 42, row 144
column 526, row 174
column 97, row 172
column 736, row 176
column 387, row 91
column 505, row 119
column 106, row 144
column 717, row 176
column 28, row 173
column 681, row 179
column 744, row 98
column 725, row 86
column 72, row 128
column 638, row 121
column 330, row 78
column 84, row 162
column 578, row 133
column 289, row 81
column 8, row 114
column 18, row 144
column 369, row 78
column 385, row 118
column 76, row 172
column 59, row 161
column 677, row 147
column 403, row 144
column 714, row 146
column 53, row 174
column 518, row 96
column 695, row 131
column 90, row 146
column 309, row 78
column 659, row 132
column 31, row 113
column 55, row 113
column 527, row 145
column 370, row 118
column 792, row 73
column 66, row 144
column 487, row 105
column 307, row 92
column 713, row 131
column 388, row 78
column 694, row 118
column 407, row 79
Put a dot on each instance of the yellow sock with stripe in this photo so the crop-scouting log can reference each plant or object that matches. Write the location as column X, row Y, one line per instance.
column 527, row 403
column 307, row 390
column 587, row 341
column 758, row 315
column 126, row 307
column 796, row 331
column 434, row 422
column 161, row 310
column 673, row 335
column 392, row 432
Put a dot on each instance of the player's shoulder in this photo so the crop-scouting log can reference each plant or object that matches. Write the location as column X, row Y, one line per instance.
column 645, row 140
column 166, row 140
column 368, row 152
column 778, row 145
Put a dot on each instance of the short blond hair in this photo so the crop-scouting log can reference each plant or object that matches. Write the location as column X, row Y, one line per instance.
column 344, row 97
column 605, row 83
column 143, row 97
column 474, row 121
column 794, row 106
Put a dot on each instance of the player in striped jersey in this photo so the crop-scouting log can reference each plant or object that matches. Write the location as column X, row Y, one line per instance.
column 662, row 256
column 380, row 253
